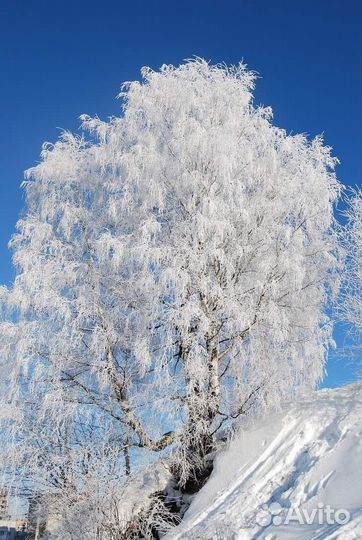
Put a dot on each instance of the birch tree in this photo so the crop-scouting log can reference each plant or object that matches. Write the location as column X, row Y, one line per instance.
column 174, row 265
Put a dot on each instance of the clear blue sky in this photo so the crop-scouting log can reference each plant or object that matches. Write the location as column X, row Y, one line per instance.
column 60, row 59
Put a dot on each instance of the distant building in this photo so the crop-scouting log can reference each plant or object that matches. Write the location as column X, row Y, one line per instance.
column 3, row 504
column 10, row 528
column 7, row 529
column 13, row 529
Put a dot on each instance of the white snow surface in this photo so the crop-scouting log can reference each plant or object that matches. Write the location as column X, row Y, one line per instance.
column 306, row 457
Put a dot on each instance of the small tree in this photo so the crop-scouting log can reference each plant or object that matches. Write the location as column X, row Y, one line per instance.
column 174, row 265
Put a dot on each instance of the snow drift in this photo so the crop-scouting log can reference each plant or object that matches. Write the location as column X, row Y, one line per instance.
column 295, row 475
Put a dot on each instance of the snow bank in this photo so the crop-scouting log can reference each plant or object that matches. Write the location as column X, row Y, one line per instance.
column 294, row 476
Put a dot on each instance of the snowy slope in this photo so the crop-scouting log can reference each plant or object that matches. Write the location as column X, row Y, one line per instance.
column 299, row 462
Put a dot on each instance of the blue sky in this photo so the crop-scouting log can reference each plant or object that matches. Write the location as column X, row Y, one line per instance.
column 60, row 59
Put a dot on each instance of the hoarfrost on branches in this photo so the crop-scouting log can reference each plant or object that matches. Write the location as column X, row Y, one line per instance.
column 173, row 268
column 349, row 305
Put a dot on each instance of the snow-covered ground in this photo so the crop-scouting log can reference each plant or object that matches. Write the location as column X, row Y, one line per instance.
column 302, row 465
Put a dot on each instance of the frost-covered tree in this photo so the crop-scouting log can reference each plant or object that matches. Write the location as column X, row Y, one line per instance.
column 173, row 266
column 349, row 306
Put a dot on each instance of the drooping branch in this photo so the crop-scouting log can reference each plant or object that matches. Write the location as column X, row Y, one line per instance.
column 131, row 419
